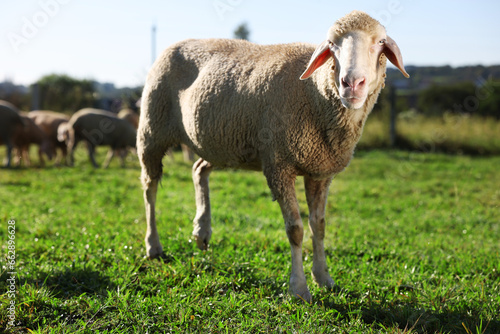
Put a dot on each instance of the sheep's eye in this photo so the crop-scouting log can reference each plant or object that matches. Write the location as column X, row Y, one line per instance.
column 381, row 42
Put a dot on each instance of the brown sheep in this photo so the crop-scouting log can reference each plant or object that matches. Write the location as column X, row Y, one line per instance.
column 49, row 122
column 30, row 134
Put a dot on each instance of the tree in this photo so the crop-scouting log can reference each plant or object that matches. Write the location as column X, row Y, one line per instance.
column 242, row 32
column 488, row 99
column 63, row 93
column 437, row 99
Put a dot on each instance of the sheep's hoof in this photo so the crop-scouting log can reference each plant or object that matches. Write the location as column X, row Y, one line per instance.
column 202, row 243
column 298, row 289
column 202, row 234
column 324, row 280
column 305, row 296
column 154, row 252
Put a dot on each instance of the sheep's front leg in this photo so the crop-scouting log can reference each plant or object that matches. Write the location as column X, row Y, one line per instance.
column 283, row 188
column 316, row 194
column 72, row 142
column 9, row 153
column 202, row 226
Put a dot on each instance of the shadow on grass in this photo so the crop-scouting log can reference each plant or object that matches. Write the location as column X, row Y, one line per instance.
column 71, row 283
column 411, row 317
column 37, row 307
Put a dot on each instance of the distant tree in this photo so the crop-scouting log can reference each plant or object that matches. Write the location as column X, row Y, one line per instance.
column 242, row 32
column 438, row 99
column 64, row 93
column 488, row 99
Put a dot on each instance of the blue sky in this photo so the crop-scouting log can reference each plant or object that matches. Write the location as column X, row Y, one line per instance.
column 110, row 41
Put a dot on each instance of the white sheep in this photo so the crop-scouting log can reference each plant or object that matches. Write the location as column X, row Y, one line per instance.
column 241, row 105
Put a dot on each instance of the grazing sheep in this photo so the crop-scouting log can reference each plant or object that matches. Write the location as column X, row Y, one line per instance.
column 130, row 116
column 10, row 123
column 133, row 118
column 49, row 122
column 97, row 128
column 30, row 134
column 241, row 105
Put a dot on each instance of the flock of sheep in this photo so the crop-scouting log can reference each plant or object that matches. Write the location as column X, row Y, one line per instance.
column 57, row 134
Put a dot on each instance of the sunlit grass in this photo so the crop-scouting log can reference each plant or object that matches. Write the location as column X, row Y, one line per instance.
column 412, row 242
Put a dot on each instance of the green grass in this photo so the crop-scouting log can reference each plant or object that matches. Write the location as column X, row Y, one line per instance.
column 412, row 242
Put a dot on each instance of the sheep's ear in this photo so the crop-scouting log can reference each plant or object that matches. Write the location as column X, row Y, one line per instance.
column 319, row 57
column 392, row 52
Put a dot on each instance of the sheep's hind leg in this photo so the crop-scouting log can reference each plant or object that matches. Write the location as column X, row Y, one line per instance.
column 150, row 176
column 316, row 194
column 153, row 245
column 202, row 226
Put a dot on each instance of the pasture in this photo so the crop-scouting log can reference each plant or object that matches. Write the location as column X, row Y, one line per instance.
column 412, row 242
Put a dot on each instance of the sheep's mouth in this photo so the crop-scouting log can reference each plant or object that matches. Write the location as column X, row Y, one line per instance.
column 352, row 98
column 353, row 102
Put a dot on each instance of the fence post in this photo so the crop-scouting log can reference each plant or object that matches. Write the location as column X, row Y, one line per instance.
column 392, row 125
column 35, row 96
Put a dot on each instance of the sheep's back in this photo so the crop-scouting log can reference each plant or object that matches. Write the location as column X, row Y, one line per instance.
column 48, row 121
column 233, row 92
column 103, row 128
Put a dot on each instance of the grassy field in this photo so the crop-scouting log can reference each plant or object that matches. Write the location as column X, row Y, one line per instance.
column 455, row 134
column 412, row 242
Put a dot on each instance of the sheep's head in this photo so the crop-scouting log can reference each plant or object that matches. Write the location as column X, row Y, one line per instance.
column 63, row 132
column 359, row 46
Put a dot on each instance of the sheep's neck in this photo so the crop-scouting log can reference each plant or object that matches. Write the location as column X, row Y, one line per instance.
column 346, row 125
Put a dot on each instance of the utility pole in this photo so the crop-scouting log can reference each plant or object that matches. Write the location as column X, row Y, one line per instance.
column 153, row 43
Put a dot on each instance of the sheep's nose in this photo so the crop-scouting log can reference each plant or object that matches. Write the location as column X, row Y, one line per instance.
column 353, row 82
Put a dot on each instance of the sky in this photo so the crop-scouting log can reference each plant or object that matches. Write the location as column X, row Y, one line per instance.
column 111, row 40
